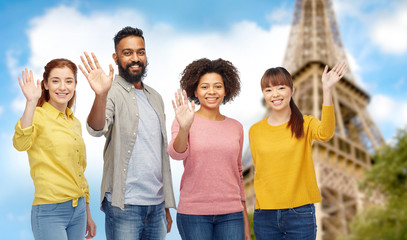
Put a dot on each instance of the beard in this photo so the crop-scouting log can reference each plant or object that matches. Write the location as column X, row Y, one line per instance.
column 128, row 75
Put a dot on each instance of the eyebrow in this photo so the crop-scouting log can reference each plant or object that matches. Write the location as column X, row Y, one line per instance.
column 129, row 49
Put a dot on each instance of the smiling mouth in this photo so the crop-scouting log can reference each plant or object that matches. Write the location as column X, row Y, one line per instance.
column 277, row 102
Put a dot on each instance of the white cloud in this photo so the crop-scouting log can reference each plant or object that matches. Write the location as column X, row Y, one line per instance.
column 386, row 110
column 389, row 31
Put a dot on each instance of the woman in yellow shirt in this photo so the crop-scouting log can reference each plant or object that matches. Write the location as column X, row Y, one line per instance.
column 52, row 137
column 285, row 182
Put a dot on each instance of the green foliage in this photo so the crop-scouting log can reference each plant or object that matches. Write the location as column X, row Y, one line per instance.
column 250, row 215
column 389, row 175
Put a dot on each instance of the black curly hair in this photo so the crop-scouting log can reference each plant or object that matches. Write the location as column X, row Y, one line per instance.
column 195, row 70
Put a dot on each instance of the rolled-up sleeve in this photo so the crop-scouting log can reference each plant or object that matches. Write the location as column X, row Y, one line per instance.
column 171, row 151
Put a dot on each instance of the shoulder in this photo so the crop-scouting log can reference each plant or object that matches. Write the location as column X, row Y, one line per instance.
column 151, row 90
column 234, row 122
column 257, row 125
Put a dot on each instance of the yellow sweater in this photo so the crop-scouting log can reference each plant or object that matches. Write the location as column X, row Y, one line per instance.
column 284, row 170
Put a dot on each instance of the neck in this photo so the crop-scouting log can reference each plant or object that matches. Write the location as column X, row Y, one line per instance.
column 210, row 114
column 59, row 107
column 279, row 117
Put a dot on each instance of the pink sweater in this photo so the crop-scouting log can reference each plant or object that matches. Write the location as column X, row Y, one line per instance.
column 212, row 182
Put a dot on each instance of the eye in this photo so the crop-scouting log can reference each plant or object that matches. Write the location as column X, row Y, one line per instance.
column 219, row 86
column 127, row 53
column 141, row 53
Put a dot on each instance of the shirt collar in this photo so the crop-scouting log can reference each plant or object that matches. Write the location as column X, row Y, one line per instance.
column 129, row 86
column 55, row 112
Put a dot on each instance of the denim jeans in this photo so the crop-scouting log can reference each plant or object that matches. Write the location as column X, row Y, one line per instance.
column 292, row 224
column 59, row 221
column 135, row 222
column 211, row 227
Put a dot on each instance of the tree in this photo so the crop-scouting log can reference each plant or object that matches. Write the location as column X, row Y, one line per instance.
column 388, row 175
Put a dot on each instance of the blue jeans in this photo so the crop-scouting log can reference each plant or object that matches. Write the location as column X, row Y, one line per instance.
column 291, row 224
column 211, row 227
column 135, row 222
column 59, row 221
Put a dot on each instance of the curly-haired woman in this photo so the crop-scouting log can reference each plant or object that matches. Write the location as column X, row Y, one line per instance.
column 212, row 201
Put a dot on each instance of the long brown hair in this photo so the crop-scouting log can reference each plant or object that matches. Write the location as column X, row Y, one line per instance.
column 56, row 63
column 280, row 76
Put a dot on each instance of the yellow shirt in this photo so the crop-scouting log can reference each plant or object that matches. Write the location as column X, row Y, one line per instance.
column 57, row 155
column 284, row 170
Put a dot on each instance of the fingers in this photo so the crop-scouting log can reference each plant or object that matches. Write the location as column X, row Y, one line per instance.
column 325, row 70
column 96, row 60
column 89, row 61
column 83, row 70
column 111, row 71
column 185, row 97
column 85, row 65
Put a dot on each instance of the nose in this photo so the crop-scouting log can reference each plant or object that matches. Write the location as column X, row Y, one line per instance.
column 62, row 85
column 135, row 57
column 211, row 90
column 274, row 92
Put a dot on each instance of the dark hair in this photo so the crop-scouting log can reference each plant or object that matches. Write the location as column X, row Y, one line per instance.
column 195, row 70
column 56, row 63
column 125, row 32
column 280, row 76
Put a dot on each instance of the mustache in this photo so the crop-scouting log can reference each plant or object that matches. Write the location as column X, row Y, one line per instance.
column 140, row 64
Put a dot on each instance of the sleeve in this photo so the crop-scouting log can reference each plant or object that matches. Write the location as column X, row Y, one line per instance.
column 171, row 151
column 240, row 166
column 323, row 130
column 109, row 118
column 24, row 138
column 251, row 145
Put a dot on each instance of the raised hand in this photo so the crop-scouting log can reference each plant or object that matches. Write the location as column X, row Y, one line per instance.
column 98, row 80
column 31, row 91
column 183, row 113
column 329, row 79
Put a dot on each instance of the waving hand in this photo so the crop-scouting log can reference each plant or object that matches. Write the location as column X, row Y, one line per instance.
column 329, row 79
column 31, row 91
column 98, row 80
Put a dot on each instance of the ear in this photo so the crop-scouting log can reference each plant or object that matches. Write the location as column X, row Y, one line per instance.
column 46, row 85
column 114, row 56
column 292, row 94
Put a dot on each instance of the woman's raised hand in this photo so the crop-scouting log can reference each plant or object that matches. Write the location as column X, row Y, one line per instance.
column 31, row 91
column 183, row 113
column 98, row 80
column 329, row 79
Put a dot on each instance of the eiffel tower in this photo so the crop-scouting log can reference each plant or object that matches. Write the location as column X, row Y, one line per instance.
column 313, row 43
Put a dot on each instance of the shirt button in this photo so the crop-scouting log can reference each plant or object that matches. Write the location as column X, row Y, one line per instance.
column 79, row 163
column 124, row 170
column 128, row 151
column 136, row 114
column 134, row 134
column 77, row 150
column 134, row 98
column 80, row 175
column 75, row 139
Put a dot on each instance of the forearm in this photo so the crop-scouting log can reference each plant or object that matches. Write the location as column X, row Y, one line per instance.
column 246, row 220
column 28, row 115
column 97, row 115
column 181, row 141
column 327, row 97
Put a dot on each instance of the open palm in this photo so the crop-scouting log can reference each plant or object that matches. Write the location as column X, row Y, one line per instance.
column 329, row 79
column 183, row 113
column 31, row 91
column 98, row 80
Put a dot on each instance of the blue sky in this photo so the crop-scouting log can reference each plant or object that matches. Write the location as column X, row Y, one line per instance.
column 253, row 35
